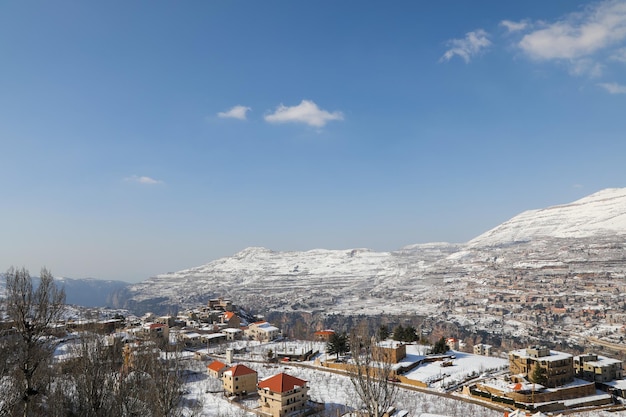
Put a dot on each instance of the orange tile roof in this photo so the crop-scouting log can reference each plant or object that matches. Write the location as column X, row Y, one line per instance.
column 229, row 315
column 282, row 383
column 239, row 370
column 324, row 332
column 216, row 366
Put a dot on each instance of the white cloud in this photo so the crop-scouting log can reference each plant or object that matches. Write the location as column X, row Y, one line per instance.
column 579, row 35
column 613, row 88
column 306, row 112
column 472, row 44
column 237, row 112
column 514, row 26
column 142, row 180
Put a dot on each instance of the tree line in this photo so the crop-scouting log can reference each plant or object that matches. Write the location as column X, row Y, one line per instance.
column 98, row 377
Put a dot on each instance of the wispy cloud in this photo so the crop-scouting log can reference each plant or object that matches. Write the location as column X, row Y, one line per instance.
column 613, row 88
column 471, row 45
column 306, row 112
column 514, row 26
column 586, row 66
column 142, row 180
column 237, row 112
column 578, row 35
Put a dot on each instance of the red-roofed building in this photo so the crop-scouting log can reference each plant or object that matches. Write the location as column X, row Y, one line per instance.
column 216, row 369
column 239, row 380
column 231, row 320
column 283, row 394
column 323, row 335
column 157, row 330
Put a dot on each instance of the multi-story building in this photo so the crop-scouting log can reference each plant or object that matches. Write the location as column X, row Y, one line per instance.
column 262, row 331
column 597, row 368
column 239, row 380
column 557, row 367
column 283, row 394
column 482, row 349
column 221, row 304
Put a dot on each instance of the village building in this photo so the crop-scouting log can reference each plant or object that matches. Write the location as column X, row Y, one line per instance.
column 558, row 367
column 216, row 369
column 482, row 349
column 597, row 368
column 283, row 394
column 453, row 343
column 190, row 339
column 232, row 334
column 169, row 320
column 392, row 350
column 230, row 320
column 159, row 330
column 239, row 380
column 323, row 335
column 220, row 304
column 262, row 331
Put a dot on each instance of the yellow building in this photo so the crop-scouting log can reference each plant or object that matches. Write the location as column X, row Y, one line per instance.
column 283, row 394
column 239, row 380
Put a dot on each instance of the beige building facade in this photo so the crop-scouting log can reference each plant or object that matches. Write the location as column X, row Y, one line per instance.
column 283, row 394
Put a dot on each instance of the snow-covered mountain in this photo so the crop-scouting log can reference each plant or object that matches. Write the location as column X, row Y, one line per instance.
column 588, row 235
column 600, row 214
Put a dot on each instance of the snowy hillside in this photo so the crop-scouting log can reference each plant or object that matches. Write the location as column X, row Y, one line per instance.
column 312, row 280
column 587, row 236
column 602, row 213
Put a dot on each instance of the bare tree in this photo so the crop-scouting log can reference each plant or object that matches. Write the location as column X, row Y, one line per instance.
column 32, row 312
column 371, row 373
column 94, row 374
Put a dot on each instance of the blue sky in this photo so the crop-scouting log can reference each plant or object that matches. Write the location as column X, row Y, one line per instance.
column 138, row 138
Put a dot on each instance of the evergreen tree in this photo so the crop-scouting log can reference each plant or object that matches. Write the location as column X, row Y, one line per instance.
column 383, row 332
column 440, row 347
column 538, row 375
column 337, row 344
column 398, row 333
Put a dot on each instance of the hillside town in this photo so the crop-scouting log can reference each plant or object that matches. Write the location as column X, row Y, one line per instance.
column 231, row 345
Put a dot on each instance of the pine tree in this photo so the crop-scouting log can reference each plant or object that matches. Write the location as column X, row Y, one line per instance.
column 337, row 344
column 440, row 347
column 383, row 332
column 538, row 375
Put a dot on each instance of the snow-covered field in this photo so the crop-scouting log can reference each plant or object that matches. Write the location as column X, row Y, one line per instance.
column 336, row 392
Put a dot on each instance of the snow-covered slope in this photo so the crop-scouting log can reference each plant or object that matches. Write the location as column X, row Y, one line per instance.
column 311, row 280
column 600, row 214
column 588, row 235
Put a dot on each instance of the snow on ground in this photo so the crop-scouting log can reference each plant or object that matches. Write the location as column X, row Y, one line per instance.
column 336, row 391
column 464, row 365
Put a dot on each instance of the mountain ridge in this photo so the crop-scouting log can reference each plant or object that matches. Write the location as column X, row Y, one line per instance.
column 583, row 234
